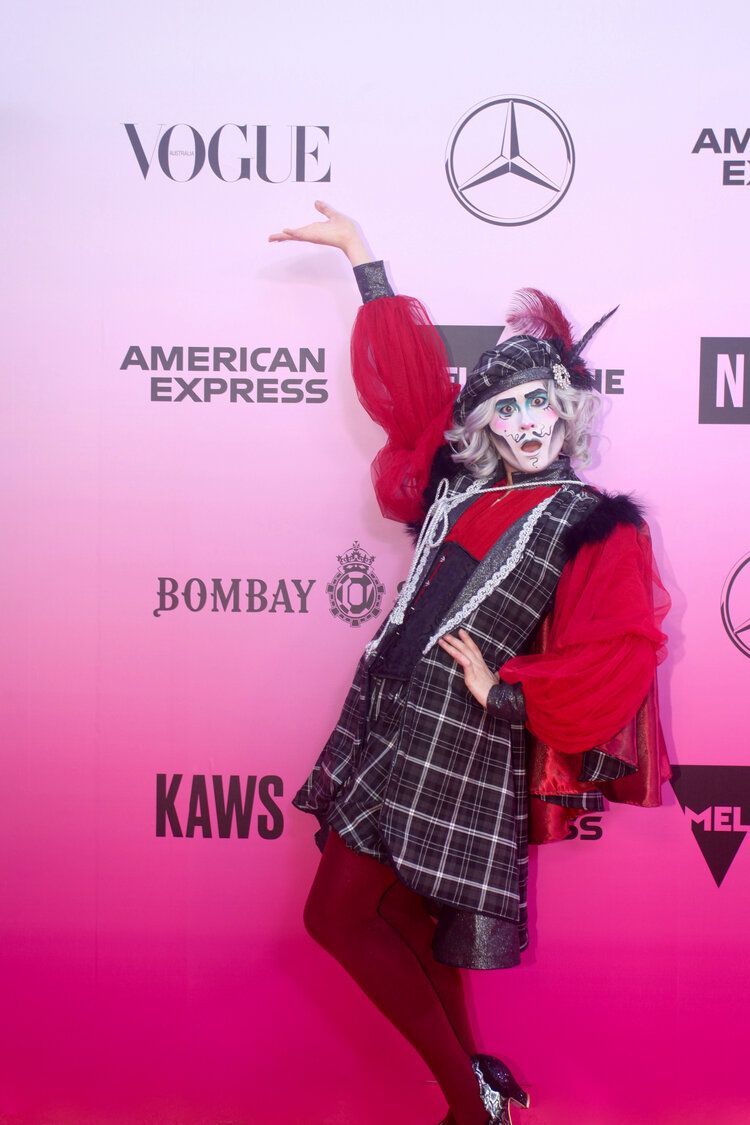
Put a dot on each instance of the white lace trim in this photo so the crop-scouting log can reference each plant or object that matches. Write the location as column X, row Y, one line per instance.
column 499, row 576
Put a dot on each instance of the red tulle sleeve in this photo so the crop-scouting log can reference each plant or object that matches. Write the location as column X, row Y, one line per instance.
column 400, row 370
column 605, row 642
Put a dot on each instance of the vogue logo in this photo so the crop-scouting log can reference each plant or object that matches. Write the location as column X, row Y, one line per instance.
column 273, row 154
column 724, row 374
column 716, row 803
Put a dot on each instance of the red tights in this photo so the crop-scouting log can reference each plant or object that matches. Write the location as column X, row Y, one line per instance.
column 380, row 932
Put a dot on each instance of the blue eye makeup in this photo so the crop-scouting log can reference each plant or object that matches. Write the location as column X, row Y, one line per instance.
column 506, row 408
column 538, row 398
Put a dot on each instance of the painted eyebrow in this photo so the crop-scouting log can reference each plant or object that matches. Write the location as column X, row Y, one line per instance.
column 529, row 394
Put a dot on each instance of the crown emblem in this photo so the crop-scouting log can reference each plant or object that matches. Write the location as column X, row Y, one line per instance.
column 355, row 556
column 355, row 592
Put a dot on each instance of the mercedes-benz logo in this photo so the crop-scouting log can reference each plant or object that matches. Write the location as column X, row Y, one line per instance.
column 735, row 605
column 510, row 160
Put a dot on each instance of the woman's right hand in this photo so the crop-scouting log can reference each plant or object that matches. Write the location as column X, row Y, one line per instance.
column 338, row 230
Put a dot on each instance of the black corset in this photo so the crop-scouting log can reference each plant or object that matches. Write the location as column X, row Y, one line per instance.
column 402, row 648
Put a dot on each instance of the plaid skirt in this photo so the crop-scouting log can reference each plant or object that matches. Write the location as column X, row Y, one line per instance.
column 464, row 938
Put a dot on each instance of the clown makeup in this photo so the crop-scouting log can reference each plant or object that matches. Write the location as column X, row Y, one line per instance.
column 530, row 431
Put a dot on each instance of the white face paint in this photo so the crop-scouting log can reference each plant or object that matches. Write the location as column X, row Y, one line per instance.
column 530, row 431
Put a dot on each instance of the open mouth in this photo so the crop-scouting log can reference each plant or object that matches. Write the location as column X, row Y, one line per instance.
column 532, row 446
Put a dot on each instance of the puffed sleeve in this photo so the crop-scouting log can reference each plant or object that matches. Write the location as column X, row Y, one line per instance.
column 400, row 371
column 605, row 643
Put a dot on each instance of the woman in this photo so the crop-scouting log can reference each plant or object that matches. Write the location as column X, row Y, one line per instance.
column 511, row 687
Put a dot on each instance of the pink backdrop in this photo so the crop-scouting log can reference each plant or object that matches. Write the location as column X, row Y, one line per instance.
column 166, row 979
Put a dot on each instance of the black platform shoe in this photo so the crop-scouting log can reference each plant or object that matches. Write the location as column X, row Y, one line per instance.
column 497, row 1088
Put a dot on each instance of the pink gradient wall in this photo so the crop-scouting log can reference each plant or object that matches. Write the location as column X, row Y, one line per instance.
column 150, row 979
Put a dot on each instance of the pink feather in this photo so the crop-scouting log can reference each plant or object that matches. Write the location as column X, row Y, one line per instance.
column 533, row 313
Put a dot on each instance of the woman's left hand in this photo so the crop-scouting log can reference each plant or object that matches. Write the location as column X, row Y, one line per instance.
column 479, row 679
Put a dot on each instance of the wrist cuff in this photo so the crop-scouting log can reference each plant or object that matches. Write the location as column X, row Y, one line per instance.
column 372, row 280
column 505, row 701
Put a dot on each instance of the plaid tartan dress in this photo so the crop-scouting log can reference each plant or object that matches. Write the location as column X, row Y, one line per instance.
column 452, row 791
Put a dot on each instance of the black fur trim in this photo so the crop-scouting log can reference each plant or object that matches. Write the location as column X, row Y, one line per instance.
column 612, row 509
column 442, row 465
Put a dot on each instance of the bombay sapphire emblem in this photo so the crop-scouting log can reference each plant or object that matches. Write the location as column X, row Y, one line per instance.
column 355, row 592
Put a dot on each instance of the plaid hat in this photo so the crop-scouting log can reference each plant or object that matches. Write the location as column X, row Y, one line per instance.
column 546, row 350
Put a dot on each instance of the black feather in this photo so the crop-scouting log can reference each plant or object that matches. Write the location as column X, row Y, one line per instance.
column 578, row 348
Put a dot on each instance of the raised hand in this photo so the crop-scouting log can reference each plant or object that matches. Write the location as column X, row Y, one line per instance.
column 337, row 230
column 477, row 676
